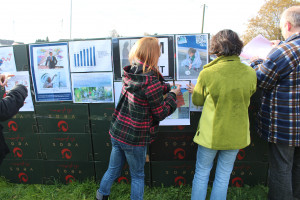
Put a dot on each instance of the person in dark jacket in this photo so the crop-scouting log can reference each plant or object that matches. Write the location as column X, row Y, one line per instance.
column 9, row 106
column 145, row 100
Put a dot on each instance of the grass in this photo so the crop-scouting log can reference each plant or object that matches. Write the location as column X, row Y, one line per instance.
column 86, row 190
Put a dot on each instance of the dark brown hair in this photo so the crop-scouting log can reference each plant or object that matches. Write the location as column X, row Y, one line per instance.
column 227, row 43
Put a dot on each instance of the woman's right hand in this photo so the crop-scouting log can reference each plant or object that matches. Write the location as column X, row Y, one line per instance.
column 176, row 90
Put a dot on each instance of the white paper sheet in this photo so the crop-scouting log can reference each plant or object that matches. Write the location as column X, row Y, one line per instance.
column 257, row 47
column 182, row 114
column 22, row 78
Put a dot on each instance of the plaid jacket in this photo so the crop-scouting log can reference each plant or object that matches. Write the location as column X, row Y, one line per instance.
column 279, row 77
column 141, row 107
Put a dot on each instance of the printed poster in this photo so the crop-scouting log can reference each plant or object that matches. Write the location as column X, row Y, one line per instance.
column 182, row 114
column 90, row 56
column 98, row 88
column 192, row 55
column 118, row 90
column 22, row 78
column 50, row 72
column 193, row 107
column 7, row 60
column 126, row 44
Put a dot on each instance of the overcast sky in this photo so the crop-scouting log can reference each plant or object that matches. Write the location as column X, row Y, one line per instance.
column 28, row 20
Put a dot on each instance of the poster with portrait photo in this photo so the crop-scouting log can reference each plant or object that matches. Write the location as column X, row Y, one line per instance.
column 90, row 55
column 122, row 47
column 181, row 116
column 98, row 88
column 49, row 64
column 7, row 60
column 191, row 55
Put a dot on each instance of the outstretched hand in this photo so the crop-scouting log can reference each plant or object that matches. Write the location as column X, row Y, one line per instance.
column 190, row 87
column 176, row 90
column 4, row 78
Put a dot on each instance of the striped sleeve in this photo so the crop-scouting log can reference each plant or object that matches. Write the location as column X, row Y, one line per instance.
column 160, row 107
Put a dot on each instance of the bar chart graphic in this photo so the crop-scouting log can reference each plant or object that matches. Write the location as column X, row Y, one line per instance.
column 85, row 57
column 90, row 56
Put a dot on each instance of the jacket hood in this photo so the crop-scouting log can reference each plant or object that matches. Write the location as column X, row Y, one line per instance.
column 134, row 78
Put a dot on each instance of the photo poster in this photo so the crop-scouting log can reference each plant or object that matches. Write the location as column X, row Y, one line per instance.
column 50, row 71
column 7, row 60
column 118, row 90
column 194, row 108
column 22, row 77
column 191, row 55
column 90, row 55
column 92, row 87
column 165, row 62
column 181, row 116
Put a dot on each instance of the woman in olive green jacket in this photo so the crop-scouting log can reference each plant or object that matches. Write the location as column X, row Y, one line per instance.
column 223, row 88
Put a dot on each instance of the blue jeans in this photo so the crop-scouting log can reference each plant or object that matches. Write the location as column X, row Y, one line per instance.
column 284, row 172
column 136, row 158
column 204, row 163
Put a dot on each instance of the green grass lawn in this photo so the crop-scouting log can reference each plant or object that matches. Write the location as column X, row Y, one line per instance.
column 87, row 189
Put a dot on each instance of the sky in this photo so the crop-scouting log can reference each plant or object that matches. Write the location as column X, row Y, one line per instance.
column 28, row 20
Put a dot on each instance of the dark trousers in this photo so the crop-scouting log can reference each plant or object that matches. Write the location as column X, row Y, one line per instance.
column 284, row 172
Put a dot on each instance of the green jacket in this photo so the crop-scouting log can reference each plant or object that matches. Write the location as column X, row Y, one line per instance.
column 224, row 88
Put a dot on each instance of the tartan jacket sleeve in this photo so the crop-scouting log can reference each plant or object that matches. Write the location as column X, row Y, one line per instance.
column 166, row 87
column 160, row 107
column 278, row 65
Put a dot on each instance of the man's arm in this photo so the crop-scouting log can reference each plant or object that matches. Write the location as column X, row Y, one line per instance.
column 14, row 100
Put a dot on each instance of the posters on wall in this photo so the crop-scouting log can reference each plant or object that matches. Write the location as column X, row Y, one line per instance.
column 193, row 107
column 22, row 78
column 182, row 114
column 118, row 90
column 192, row 55
column 98, row 88
column 90, row 56
column 50, row 72
column 7, row 60
column 126, row 44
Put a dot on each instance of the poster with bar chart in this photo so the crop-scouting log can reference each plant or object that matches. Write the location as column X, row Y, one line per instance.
column 90, row 55
column 7, row 60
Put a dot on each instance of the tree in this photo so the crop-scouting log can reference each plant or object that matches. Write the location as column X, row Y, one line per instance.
column 42, row 40
column 114, row 33
column 267, row 22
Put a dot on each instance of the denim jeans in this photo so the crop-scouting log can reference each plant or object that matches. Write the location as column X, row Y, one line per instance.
column 204, row 163
column 284, row 172
column 136, row 158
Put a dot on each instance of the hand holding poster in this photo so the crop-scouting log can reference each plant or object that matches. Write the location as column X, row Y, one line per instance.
column 22, row 78
column 182, row 114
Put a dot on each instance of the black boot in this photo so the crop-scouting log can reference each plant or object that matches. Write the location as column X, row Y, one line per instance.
column 104, row 198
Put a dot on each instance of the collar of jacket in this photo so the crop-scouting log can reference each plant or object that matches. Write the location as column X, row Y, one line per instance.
column 221, row 59
column 293, row 37
column 139, row 75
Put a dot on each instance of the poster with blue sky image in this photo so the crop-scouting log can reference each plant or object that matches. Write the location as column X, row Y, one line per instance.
column 98, row 88
column 191, row 55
